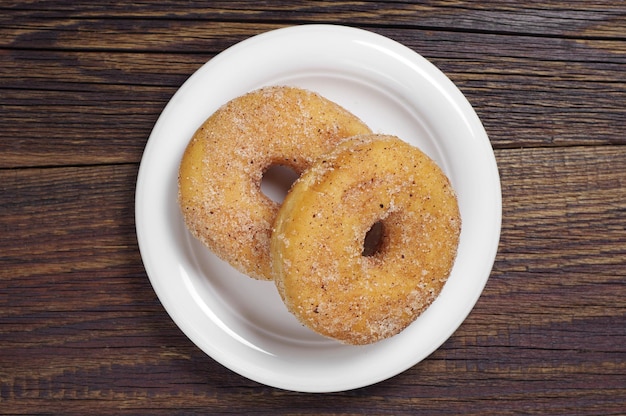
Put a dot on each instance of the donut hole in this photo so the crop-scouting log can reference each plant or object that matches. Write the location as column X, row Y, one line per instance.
column 373, row 240
column 276, row 182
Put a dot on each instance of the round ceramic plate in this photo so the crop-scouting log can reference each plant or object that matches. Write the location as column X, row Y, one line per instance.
column 242, row 323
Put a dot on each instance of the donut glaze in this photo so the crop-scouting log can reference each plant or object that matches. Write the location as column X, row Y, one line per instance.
column 222, row 167
column 317, row 245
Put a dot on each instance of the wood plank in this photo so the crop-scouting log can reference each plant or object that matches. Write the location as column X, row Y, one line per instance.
column 127, row 35
column 569, row 210
column 175, row 36
column 100, row 125
column 81, row 329
column 570, row 60
column 575, row 18
column 92, row 107
column 67, row 220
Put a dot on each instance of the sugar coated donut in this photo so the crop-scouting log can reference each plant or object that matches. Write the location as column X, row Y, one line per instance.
column 222, row 167
column 317, row 246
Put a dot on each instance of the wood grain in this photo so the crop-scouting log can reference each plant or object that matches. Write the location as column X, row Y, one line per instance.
column 81, row 86
column 548, row 330
column 605, row 19
column 527, row 91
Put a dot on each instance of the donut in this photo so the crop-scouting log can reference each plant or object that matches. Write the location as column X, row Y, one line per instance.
column 222, row 167
column 320, row 268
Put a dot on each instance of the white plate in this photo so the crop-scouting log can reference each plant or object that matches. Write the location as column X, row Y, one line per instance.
column 241, row 322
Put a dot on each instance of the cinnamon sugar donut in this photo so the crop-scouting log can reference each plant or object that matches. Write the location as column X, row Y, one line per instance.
column 317, row 245
column 222, row 167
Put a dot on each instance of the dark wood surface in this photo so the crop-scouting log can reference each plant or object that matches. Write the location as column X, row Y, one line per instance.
column 81, row 85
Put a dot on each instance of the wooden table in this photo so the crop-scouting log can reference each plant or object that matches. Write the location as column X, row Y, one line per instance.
column 81, row 86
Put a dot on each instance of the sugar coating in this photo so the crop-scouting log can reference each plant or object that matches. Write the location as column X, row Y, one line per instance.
column 318, row 238
column 221, row 170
